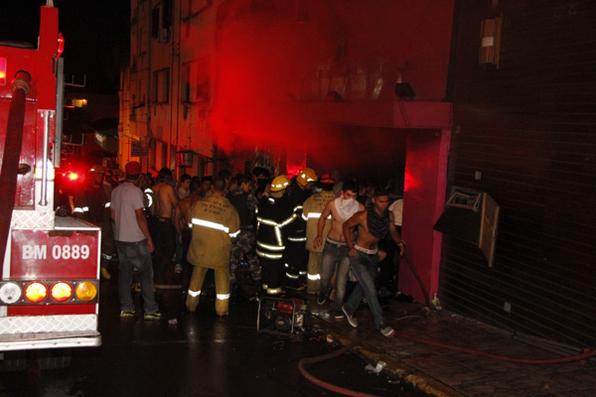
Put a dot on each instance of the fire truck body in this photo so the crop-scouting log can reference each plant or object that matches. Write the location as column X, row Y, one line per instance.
column 50, row 275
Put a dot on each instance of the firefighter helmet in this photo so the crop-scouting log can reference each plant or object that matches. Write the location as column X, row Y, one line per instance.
column 306, row 176
column 279, row 183
column 327, row 179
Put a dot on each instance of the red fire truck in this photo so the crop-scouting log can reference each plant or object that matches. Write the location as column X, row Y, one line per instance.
column 50, row 275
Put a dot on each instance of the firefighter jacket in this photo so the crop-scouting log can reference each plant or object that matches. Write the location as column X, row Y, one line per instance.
column 296, row 232
column 214, row 223
column 313, row 207
column 273, row 218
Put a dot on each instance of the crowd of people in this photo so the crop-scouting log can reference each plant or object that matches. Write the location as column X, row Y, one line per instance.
column 309, row 234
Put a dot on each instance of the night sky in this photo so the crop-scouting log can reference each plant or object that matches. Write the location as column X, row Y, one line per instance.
column 96, row 36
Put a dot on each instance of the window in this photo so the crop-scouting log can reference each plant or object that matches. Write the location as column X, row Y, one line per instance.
column 161, row 86
column 161, row 21
column 155, row 25
column 196, row 86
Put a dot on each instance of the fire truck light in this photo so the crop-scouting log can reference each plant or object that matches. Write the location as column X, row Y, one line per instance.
column 35, row 292
column 72, row 176
column 60, row 48
column 61, row 292
column 2, row 72
column 86, row 291
column 10, row 293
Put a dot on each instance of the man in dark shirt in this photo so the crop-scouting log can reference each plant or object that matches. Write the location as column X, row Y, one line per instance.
column 243, row 247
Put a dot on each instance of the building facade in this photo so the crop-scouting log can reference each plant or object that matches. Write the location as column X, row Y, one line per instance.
column 166, row 89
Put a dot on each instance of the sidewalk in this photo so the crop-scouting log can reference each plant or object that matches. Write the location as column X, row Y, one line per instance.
column 440, row 372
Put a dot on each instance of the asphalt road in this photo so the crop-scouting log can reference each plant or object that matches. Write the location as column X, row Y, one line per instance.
column 201, row 355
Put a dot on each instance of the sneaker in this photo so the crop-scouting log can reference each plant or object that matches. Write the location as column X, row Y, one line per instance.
column 387, row 331
column 338, row 315
column 127, row 313
column 352, row 320
column 322, row 315
column 152, row 316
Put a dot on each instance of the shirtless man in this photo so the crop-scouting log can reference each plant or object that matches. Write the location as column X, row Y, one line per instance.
column 163, row 224
column 373, row 224
column 335, row 253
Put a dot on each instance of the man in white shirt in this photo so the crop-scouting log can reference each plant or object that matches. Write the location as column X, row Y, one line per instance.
column 133, row 243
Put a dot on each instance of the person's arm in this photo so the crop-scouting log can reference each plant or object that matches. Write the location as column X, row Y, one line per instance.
column 178, row 221
column 142, row 222
column 348, row 226
column 396, row 236
column 321, row 225
column 173, row 198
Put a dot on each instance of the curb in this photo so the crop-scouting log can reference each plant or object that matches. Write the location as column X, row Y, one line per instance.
column 394, row 368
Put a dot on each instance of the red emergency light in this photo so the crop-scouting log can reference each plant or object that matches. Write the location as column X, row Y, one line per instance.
column 72, row 176
column 2, row 71
column 60, row 48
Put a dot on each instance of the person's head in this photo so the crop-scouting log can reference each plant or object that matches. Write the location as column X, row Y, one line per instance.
column 206, row 183
column 243, row 183
column 261, row 173
column 132, row 170
column 219, row 184
column 164, row 175
column 306, row 178
column 185, row 181
column 278, row 186
column 195, row 184
column 349, row 189
column 326, row 182
column 380, row 199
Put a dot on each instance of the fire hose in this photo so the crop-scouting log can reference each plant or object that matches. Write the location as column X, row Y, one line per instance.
column 12, row 152
column 326, row 385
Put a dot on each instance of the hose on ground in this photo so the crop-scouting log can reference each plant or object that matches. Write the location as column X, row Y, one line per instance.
column 326, row 385
column 517, row 360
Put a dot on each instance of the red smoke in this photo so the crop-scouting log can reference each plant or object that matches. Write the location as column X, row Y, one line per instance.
column 271, row 56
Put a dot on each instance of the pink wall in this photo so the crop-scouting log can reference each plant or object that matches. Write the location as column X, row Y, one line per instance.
column 424, row 197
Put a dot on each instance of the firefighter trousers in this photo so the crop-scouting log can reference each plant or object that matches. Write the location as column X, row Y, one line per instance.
column 222, row 289
column 272, row 274
column 313, row 276
column 296, row 258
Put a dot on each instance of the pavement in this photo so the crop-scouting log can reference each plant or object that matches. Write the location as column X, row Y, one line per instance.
column 438, row 371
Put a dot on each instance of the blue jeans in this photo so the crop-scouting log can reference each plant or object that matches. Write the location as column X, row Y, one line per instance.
column 364, row 268
column 335, row 255
column 135, row 256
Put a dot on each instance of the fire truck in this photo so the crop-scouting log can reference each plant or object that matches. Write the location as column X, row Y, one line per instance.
column 50, row 274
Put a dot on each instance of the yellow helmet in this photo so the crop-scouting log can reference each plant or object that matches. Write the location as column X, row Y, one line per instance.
column 306, row 176
column 279, row 183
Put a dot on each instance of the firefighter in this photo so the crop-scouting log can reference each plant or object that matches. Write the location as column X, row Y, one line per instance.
column 274, row 214
column 214, row 223
column 313, row 207
column 92, row 204
column 296, row 254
